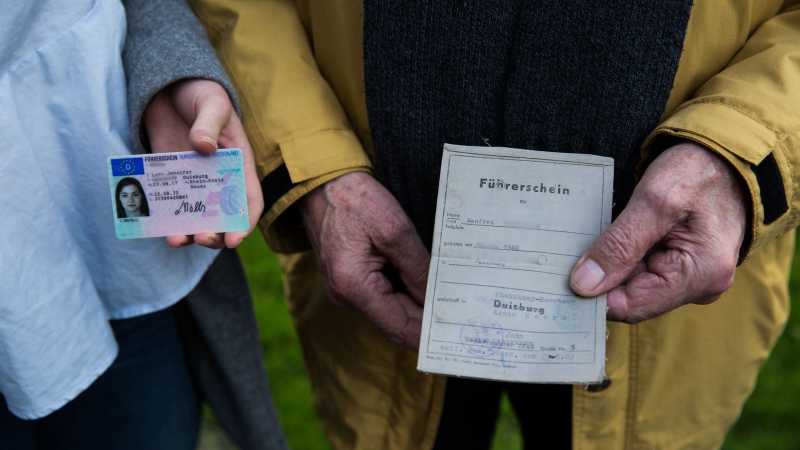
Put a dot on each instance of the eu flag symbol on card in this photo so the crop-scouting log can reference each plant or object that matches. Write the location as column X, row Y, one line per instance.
column 127, row 166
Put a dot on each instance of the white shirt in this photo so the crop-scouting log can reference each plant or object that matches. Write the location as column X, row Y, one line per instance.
column 63, row 273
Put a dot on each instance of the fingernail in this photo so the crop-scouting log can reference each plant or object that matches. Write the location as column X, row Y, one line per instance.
column 209, row 140
column 235, row 242
column 588, row 275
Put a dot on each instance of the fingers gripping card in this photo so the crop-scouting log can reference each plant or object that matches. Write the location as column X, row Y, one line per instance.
column 180, row 193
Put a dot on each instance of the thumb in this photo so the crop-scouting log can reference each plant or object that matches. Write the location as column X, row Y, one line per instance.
column 411, row 259
column 619, row 249
column 206, row 106
column 397, row 239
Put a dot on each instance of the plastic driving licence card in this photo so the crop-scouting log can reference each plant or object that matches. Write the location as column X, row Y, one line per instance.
column 162, row 194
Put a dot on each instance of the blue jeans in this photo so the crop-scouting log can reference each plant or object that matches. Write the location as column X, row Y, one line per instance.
column 145, row 400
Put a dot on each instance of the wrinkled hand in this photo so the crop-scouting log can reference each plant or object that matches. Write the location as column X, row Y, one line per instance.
column 676, row 242
column 360, row 232
column 198, row 115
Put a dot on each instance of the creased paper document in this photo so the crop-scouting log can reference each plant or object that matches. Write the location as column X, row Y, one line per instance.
column 510, row 224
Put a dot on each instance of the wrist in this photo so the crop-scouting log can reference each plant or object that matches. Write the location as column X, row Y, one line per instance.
column 708, row 169
column 312, row 206
column 716, row 179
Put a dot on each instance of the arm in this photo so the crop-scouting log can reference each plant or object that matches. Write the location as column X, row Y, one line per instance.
column 748, row 115
column 180, row 98
column 301, row 136
column 164, row 44
column 722, row 187
column 308, row 154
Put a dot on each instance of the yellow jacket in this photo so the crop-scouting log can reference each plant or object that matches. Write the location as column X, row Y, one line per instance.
column 678, row 381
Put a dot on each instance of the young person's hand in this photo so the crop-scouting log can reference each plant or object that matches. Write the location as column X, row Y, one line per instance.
column 197, row 114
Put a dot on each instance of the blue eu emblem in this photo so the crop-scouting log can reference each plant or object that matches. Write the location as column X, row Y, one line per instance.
column 127, row 166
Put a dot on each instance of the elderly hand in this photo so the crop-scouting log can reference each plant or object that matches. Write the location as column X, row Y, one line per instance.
column 360, row 232
column 198, row 115
column 676, row 242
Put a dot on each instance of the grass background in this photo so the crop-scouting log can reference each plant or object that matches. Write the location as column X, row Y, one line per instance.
column 770, row 421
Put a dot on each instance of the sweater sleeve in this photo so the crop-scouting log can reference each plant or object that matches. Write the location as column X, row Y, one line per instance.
column 748, row 114
column 165, row 43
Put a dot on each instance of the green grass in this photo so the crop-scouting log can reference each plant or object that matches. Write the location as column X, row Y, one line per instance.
column 770, row 421
column 290, row 387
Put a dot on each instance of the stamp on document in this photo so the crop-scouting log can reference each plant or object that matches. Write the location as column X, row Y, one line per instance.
column 481, row 338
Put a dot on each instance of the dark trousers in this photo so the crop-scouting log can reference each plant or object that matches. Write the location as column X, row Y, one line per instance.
column 145, row 400
column 471, row 409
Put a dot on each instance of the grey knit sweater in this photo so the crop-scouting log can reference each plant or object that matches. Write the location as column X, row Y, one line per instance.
column 166, row 43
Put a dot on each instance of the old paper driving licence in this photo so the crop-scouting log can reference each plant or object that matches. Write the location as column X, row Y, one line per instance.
column 510, row 224
column 163, row 194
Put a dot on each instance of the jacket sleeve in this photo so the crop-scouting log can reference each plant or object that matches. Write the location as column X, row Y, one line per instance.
column 749, row 113
column 165, row 43
column 299, row 131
